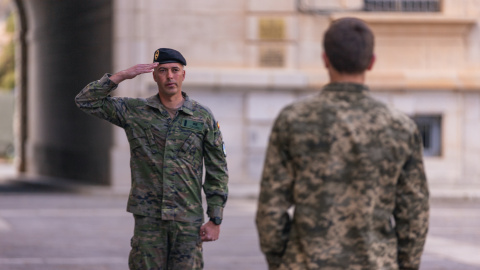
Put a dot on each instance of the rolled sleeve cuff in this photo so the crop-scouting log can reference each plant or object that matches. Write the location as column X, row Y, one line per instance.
column 215, row 211
column 105, row 80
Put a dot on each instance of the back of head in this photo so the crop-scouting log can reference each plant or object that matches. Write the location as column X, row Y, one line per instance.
column 348, row 44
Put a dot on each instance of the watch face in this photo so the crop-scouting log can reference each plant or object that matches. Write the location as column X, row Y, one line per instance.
column 216, row 220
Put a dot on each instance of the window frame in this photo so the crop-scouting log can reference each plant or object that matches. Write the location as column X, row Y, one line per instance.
column 430, row 127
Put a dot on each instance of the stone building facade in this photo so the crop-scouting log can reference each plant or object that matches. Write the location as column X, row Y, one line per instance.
column 247, row 59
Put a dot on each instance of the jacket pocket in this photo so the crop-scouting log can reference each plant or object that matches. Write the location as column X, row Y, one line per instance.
column 191, row 148
column 142, row 141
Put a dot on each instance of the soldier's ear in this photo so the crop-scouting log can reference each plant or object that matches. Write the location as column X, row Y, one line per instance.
column 154, row 77
column 326, row 62
column 372, row 61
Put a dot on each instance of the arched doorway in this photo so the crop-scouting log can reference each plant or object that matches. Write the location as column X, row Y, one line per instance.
column 61, row 46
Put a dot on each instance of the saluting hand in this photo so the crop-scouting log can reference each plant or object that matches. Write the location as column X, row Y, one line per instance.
column 132, row 72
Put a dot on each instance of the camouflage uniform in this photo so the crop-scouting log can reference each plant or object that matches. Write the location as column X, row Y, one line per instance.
column 352, row 169
column 166, row 156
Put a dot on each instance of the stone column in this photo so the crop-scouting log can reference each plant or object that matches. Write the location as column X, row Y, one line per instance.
column 69, row 45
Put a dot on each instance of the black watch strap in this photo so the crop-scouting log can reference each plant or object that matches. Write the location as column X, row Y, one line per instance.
column 216, row 220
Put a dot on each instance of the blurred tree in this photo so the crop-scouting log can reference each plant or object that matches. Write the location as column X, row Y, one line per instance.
column 7, row 57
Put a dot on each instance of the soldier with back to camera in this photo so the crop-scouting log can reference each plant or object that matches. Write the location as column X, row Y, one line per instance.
column 171, row 137
column 351, row 167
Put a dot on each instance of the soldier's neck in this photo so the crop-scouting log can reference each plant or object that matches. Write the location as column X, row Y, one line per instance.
column 337, row 77
column 172, row 102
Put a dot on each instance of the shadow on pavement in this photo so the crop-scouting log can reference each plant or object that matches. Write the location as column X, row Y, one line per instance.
column 19, row 186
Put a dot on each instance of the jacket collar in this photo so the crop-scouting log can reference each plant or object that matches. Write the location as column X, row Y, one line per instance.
column 345, row 87
column 154, row 101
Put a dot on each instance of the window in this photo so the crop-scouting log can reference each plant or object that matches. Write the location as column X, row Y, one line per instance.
column 430, row 129
column 402, row 5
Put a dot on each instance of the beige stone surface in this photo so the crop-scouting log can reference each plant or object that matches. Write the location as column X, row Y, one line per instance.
column 427, row 63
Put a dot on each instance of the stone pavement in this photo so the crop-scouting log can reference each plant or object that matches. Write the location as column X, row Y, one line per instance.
column 48, row 227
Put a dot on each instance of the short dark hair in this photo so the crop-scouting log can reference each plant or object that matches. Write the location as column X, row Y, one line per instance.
column 348, row 44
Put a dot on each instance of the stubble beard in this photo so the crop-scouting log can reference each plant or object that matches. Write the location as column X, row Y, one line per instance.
column 169, row 91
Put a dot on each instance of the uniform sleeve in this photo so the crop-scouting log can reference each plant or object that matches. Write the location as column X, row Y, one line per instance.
column 275, row 198
column 94, row 99
column 216, row 172
column 412, row 208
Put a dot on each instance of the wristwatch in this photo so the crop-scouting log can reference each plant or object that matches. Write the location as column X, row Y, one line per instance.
column 216, row 220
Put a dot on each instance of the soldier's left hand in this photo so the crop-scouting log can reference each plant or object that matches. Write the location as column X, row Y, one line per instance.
column 209, row 232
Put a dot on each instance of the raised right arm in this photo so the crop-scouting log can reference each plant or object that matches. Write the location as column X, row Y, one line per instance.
column 95, row 98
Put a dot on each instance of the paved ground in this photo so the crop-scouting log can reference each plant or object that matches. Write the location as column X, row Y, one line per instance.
column 48, row 228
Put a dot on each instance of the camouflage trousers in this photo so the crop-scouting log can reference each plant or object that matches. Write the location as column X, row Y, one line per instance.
column 164, row 244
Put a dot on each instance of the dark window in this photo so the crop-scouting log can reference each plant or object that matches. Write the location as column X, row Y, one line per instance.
column 402, row 5
column 430, row 127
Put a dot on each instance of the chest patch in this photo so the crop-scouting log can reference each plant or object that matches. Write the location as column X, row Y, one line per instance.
column 192, row 124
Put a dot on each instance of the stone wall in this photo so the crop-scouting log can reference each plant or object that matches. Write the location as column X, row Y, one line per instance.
column 247, row 59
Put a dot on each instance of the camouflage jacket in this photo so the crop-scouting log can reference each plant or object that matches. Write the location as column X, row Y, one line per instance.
column 166, row 156
column 352, row 168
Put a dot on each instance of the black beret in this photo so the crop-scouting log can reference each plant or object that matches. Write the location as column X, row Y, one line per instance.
column 166, row 55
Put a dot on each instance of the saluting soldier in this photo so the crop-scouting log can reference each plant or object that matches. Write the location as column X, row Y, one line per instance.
column 351, row 167
column 171, row 138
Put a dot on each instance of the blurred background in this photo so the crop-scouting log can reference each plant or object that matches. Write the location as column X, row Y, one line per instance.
column 247, row 59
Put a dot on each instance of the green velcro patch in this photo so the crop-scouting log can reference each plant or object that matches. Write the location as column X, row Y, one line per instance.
column 192, row 124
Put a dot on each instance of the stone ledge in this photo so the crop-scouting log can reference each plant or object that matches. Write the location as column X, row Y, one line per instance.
column 236, row 190
column 468, row 192
column 409, row 19
column 424, row 79
column 437, row 192
column 259, row 78
column 244, row 79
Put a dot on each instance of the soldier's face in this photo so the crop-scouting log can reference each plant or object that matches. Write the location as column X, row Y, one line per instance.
column 169, row 78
